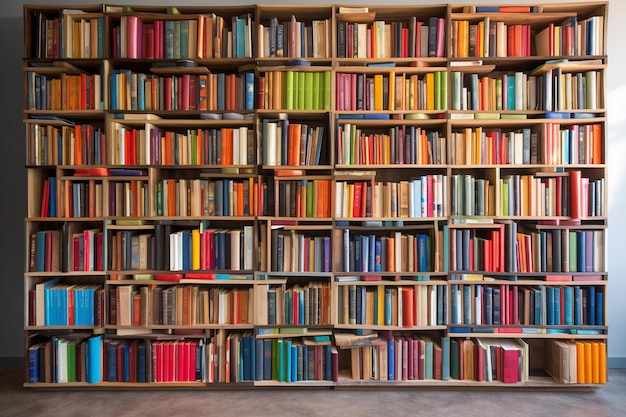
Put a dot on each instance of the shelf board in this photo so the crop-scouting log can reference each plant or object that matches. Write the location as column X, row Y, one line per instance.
column 382, row 327
column 530, row 335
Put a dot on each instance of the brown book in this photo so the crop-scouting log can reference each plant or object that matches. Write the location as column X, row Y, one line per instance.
column 561, row 360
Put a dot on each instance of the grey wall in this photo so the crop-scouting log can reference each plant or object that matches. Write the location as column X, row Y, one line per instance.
column 13, row 173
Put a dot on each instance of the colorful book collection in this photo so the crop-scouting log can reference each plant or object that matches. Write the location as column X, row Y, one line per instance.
column 131, row 90
column 391, row 91
column 571, row 37
column 554, row 194
column 294, row 39
column 560, row 250
column 223, row 146
column 49, row 198
column 485, row 146
column 294, row 90
column 78, row 198
column 577, row 362
column 52, row 303
column 206, row 197
column 495, row 305
column 182, row 250
column 400, row 357
column 66, row 250
column 297, row 252
column 64, row 92
column 400, row 252
column 297, row 198
column 481, row 249
column 518, row 91
column 179, row 305
column 409, row 145
column 80, row 144
column 70, row 34
column 208, row 36
column 422, row 197
column 487, row 360
column 490, row 38
column 383, row 39
column 471, row 196
column 288, row 143
column 573, row 144
column 128, row 198
column 300, row 304
column 403, row 306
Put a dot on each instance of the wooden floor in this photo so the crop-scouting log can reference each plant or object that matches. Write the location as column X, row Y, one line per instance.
column 18, row 401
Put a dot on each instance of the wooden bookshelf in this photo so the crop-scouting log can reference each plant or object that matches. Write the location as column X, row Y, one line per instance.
column 316, row 196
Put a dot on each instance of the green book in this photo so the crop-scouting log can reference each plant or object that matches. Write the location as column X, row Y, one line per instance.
column 454, row 359
column 184, row 39
column 308, row 91
column 326, row 101
column 514, row 116
column 176, row 44
column 438, row 90
column 445, row 358
column 487, row 116
column 310, row 199
column 505, row 199
column 292, row 330
column 444, row 91
column 280, row 372
column 428, row 358
column 275, row 356
column 316, row 91
column 289, row 90
column 71, row 361
column 573, row 252
column 301, row 90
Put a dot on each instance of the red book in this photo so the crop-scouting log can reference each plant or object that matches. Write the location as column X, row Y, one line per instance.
column 160, row 362
column 356, row 203
column 185, row 93
column 509, row 364
column 119, row 352
column 479, row 356
column 408, row 310
column 168, row 277
column 70, row 306
column 158, row 39
column 149, row 41
column 136, row 309
column 191, row 363
column 181, row 356
column 45, row 199
column 575, row 178
column 132, row 362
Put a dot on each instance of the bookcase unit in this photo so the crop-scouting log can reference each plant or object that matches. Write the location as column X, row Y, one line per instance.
column 316, row 195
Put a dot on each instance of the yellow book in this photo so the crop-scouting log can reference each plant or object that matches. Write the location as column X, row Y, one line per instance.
column 430, row 91
column 480, row 45
column 588, row 362
column 380, row 302
column 195, row 249
column 392, row 90
column 378, row 92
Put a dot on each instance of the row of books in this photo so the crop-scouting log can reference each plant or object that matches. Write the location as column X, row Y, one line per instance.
column 401, row 252
column 419, row 198
column 382, row 39
column 399, row 145
column 52, row 303
column 490, row 38
column 80, row 198
column 399, row 357
column 561, row 250
column 67, row 250
column 296, row 198
column 68, row 35
column 80, row 144
column 296, row 252
column 571, row 37
column 573, row 144
column 379, row 92
column 483, row 304
column 199, row 197
column 294, row 90
column 577, row 362
column 291, row 144
column 187, row 249
column 294, row 39
column 300, row 304
column 208, row 36
column 554, row 194
column 471, row 196
column 126, row 198
column 179, row 305
column 481, row 249
column 131, row 90
column 64, row 92
column 403, row 306
column 484, row 146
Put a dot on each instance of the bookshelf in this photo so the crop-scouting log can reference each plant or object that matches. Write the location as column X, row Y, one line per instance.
column 316, row 195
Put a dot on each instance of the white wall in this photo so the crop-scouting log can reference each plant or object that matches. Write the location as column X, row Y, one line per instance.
column 12, row 172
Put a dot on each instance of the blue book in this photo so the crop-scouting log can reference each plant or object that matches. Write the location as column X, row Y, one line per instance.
column 267, row 359
column 391, row 359
column 357, row 253
column 221, row 102
column 112, row 361
column 487, row 9
column 445, row 358
column 287, row 360
column 591, row 306
column 141, row 362
column 249, row 101
column 488, row 317
column 599, row 308
column 33, row 364
column 577, row 310
column 246, row 358
column 568, row 305
column 94, row 358
column 550, row 305
column 40, row 251
column 557, row 306
column 456, row 304
column 378, row 256
column 467, row 304
column 126, row 362
column 258, row 353
column 294, row 363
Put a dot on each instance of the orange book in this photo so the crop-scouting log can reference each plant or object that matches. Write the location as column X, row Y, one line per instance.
column 430, row 91
column 391, row 255
column 240, row 199
column 378, row 92
column 227, row 146
column 514, row 9
column 408, row 306
column 171, row 197
column 576, row 194
column 136, row 309
column 78, row 145
column 597, row 144
column 602, row 362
